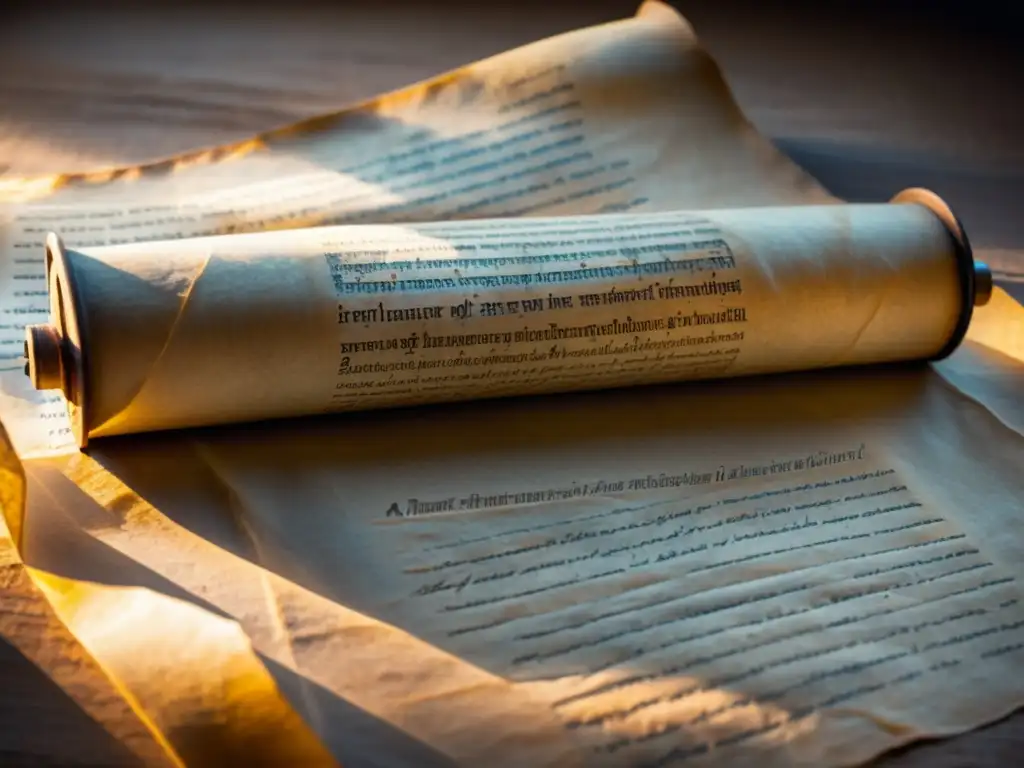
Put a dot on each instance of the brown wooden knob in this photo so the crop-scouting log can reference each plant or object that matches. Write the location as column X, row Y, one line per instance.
column 44, row 348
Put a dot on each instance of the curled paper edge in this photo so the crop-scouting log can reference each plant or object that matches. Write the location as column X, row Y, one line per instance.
column 200, row 690
column 35, row 188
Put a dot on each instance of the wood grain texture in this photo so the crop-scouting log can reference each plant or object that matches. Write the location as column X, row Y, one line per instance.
column 870, row 97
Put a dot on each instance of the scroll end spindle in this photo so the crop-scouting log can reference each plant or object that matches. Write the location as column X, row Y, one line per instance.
column 982, row 284
column 44, row 350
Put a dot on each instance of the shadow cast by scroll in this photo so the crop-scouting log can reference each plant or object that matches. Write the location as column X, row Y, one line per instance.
column 298, row 496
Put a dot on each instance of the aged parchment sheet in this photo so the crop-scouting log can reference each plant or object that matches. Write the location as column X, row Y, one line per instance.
column 800, row 570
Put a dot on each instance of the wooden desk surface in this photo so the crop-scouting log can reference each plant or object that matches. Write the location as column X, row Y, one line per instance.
column 869, row 97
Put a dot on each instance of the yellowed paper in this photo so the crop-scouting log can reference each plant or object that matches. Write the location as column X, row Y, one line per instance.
column 191, row 697
column 202, row 689
column 29, row 623
column 396, row 569
column 775, row 621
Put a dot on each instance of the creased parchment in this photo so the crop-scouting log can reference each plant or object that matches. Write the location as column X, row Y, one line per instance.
column 797, row 570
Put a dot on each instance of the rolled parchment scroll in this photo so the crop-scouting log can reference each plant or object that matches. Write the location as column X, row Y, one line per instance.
column 212, row 330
